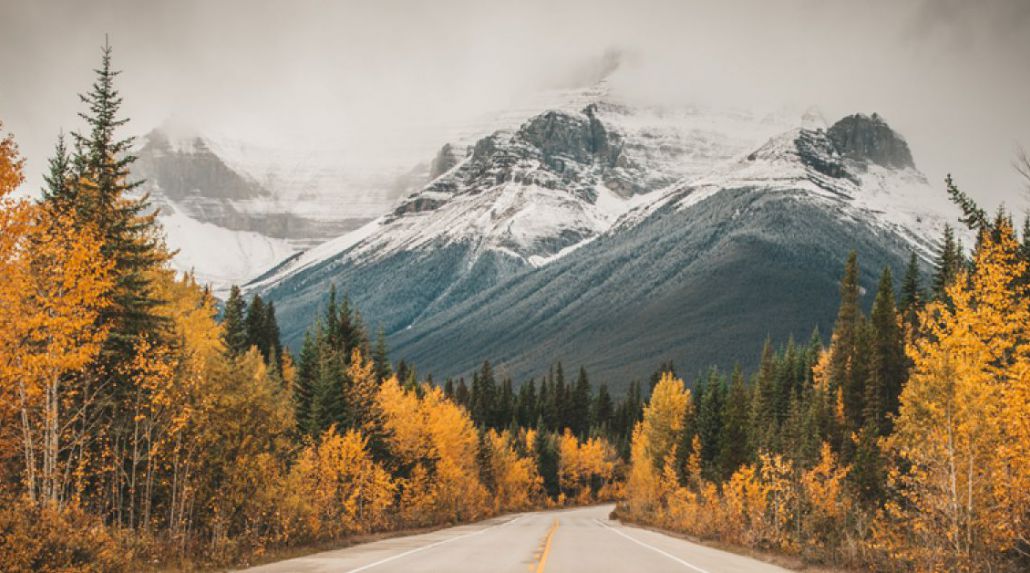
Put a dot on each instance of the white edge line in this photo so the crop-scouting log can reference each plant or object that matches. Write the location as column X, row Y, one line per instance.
column 430, row 546
column 652, row 548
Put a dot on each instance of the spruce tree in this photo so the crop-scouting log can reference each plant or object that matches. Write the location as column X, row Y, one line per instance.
column 949, row 262
column 306, row 384
column 709, row 420
column 461, row 393
column 255, row 326
column 559, row 404
column 58, row 191
column 484, row 397
column 381, row 357
column 603, row 409
column 579, row 406
column 100, row 195
column 911, row 293
column 972, row 215
column 762, row 433
column 733, row 440
column 484, row 453
column 547, row 462
column 888, row 361
column 233, row 323
column 271, row 336
column 527, row 404
column 505, row 407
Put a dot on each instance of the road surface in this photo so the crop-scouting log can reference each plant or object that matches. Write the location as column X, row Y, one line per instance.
column 559, row 541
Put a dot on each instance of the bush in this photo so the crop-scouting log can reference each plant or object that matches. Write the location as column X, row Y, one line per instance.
column 42, row 538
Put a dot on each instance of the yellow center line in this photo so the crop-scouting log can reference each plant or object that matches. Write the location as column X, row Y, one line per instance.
column 547, row 547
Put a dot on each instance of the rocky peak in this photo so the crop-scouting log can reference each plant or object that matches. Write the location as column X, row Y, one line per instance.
column 448, row 156
column 561, row 136
column 869, row 139
column 818, row 152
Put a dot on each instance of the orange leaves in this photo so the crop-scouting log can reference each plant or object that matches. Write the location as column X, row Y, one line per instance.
column 960, row 440
column 823, row 487
column 517, row 483
column 438, row 435
column 10, row 165
column 586, row 471
column 342, row 490
column 653, row 440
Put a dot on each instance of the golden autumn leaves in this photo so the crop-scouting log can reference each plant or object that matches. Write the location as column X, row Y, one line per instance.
column 958, row 459
column 54, row 287
column 960, row 449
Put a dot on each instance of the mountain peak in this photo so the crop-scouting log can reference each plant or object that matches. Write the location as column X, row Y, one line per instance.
column 864, row 138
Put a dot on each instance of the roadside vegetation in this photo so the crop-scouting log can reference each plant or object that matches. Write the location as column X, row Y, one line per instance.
column 903, row 446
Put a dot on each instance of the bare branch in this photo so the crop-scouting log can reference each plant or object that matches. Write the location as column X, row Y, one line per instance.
column 1022, row 165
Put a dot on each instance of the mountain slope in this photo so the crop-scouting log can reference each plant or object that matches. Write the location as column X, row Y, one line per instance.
column 570, row 239
column 702, row 275
column 234, row 210
column 515, row 201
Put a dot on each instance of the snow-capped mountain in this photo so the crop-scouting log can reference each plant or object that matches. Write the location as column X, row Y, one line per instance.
column 234, row 210
column 616, row 236
column 262, row 204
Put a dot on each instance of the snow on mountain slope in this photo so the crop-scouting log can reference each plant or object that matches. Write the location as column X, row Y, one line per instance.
column 748, row 251
column 887, row 191
column 218, row 255
column 562, row 178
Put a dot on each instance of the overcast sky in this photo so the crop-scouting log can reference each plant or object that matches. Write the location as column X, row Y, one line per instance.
column 952, row 76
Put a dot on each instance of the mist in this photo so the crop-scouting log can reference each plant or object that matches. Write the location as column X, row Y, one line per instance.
column 951, row 76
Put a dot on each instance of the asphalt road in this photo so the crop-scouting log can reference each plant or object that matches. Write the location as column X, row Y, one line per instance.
column 561, row 541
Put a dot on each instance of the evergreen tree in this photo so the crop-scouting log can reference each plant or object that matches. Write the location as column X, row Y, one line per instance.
column 762, row 434
column 888, row 361
column 527, row 404
column 949, row 262
column 972, row 215
column 709, row 419
column 484, row 454
column 843, row 346
column 255, row 326
column 547, row 462
column 271, row 337
column 733, row 440
column 854, row 390
column 505, row 408
column 233, row 323
column 579, row 406
column 59, row 191
column 559, row 404
column 461, row 393
column 448, row 389
column 603, row 409
column 131, row 238
column 911, row 293
column 381, row 357
column 306, row 385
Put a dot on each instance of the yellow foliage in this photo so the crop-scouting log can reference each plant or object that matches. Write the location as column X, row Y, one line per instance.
column 653, row 438
column 585, row 470
column 438, row 435
column 959, row 449
column 518, row 485
column 342, row 489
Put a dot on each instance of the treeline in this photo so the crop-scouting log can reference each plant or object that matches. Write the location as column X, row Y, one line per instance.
column 139, row 431
column 902, row 446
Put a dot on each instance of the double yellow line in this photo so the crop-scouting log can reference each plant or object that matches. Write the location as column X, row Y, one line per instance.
column 547, row 548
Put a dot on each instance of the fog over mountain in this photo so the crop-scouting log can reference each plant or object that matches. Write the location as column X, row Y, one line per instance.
column 382, row 82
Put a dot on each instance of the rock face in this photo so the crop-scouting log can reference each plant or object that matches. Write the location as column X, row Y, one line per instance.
column 869, row 139
column 617, row 237
column 448, row 156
